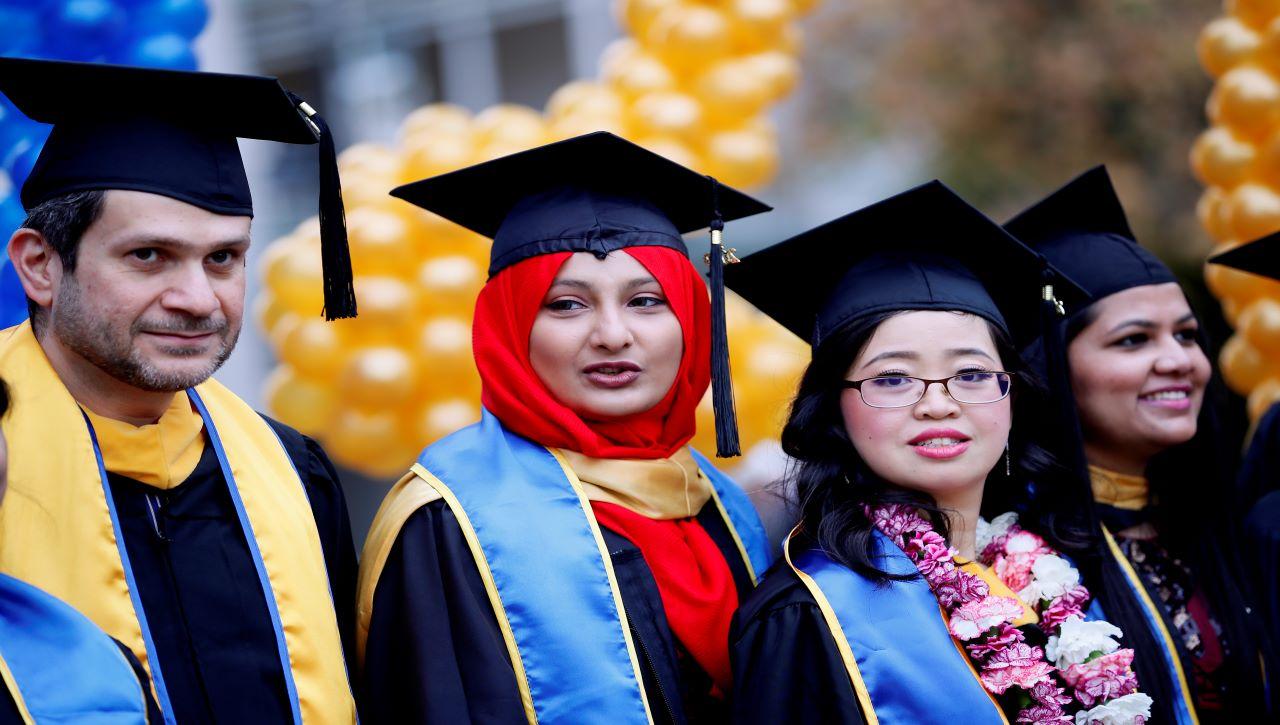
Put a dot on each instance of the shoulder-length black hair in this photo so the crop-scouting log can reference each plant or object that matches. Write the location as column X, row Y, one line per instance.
column 1197, row 509
column 834, row 485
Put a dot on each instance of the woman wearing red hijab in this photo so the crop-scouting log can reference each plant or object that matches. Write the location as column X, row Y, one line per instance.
column 568, row 558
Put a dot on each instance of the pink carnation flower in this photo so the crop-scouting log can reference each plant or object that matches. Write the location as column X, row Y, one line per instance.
column 1007, row 635
column 1043, row 715
column 974, row 618
column 1104, row 678
column 1048, row 693
column 960, row 589
column 1015, row 570
column 897, row 519
column 929, row 551
column 1018, row 665
column 1064, row 607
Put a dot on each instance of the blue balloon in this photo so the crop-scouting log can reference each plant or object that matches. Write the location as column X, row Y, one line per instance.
column 21, row 159
column 170, row 51
column 83, row 29
column 22, row 30
column 156, row 17
column 13, row 301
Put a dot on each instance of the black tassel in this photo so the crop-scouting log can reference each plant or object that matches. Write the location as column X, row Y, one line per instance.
column 339, row 290
column 726, row 414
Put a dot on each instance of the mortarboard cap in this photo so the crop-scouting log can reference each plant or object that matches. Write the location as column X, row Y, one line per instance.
column 1081, row 228
column 596, row 193
column 1261, row 256
column 923, row 249
column 171, row 133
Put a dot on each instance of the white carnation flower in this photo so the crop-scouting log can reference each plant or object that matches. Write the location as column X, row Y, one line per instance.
column 1051, row 577
column 1022, row 543
column 987, row 532
column 1120, row 711
column 1077, row 639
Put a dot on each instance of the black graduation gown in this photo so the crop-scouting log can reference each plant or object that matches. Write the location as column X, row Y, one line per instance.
column 196, row 578
column 786, row 668
column 1260, row 482
column 434, row 653
column 9, row 714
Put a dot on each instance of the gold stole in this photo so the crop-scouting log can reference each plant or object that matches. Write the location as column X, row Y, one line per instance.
column 56, row 530
column 1123, row 491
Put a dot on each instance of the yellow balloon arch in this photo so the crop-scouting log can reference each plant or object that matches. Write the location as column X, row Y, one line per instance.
column 1238, row 159
column 692, row 80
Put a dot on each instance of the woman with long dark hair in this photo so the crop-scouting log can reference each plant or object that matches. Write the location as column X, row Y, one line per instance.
column 1166, row 560
column 915, row 423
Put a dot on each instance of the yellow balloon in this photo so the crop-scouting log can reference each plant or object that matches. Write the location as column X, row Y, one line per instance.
column 367, row 441
column 315, row 348
column 267, row 311
column 632, row 71
column 741, row 157
column 301, row 403
column 758, row 24
column 444, row 349
column 449, row 283
column 1254, row 12
column 584, row 98
column 387, row 306
column 689, row 36
column 444, row 417
column 1259, row 324
column 1265, row 395
column 436, row 120
column 1246, row 98
column 732, row 91
column 672, row 148
column 1232, row 284
column 295, row 277
column 380, row 242
column 1220, row 158
column 1226, row 43
column 379, row 377
column 427, row 155
column 1212, row 211
column 510, row 125
column 576, row 125
column 667, row 113
column 1254, row 210
column 1243, row 366
column 637, row 15
column 778, row 70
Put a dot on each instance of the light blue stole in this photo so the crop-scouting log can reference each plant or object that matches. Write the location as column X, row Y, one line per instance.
column 64, row 667
column 541, row 546
column 906, row 659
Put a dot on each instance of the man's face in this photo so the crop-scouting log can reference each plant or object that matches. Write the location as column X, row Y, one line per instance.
column 157, row 296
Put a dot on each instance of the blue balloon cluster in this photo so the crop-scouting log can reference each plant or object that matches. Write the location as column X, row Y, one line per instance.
column 153, row 33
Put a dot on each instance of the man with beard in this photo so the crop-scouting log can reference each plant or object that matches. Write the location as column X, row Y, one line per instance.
column 213, row 542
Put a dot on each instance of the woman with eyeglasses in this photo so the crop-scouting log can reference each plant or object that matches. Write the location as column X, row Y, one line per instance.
column 1155, row 465
column 897, row 601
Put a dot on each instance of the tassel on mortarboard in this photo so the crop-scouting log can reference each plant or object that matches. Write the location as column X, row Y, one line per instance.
column 726, row 415
column 339, row 289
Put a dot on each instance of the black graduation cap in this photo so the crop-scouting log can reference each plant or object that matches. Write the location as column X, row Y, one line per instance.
column 1081, row 228
column 172, row 133
column 596, row 193
column 923, row 249
column 1261, row 256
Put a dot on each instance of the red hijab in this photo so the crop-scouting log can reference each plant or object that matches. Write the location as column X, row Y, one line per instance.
column 512, row 391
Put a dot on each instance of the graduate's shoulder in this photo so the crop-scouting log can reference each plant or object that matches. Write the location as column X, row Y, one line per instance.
column 780, row 592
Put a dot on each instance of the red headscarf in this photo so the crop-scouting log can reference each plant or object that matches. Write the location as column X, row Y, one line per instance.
column 512, row 391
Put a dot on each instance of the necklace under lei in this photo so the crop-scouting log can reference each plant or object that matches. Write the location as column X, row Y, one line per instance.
column 1081, row 675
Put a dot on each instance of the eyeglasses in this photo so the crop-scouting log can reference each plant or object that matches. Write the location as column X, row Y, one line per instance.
column 899, row 391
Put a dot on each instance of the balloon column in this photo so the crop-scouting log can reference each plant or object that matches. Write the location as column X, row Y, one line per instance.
column 156, row 33
column 1238, row 159
column 692, row 80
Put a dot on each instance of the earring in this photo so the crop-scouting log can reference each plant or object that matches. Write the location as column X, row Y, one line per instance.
column 1008, row 464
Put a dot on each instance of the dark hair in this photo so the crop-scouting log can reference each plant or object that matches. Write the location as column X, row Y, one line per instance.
column 4, row 398
column 62, row 220
column 834, row 484
column 1206, row 533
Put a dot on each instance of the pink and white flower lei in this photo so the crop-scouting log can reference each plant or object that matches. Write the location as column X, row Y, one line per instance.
column 1087, row 678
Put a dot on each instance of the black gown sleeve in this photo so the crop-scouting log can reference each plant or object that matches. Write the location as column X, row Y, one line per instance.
column 434, row 652
column 786, row 668
column 329, row 508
